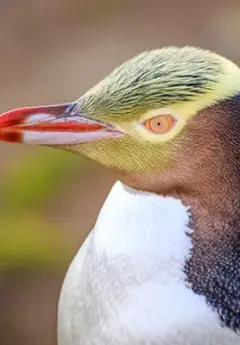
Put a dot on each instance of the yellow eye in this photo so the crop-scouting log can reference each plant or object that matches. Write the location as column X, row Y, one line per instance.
column 160, row 124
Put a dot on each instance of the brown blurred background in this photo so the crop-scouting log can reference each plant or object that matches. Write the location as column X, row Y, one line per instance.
column 52, row 51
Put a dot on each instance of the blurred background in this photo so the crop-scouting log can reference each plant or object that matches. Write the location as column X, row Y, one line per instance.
column 51, row 52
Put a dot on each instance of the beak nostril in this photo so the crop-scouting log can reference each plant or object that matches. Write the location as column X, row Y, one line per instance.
column 72, row 110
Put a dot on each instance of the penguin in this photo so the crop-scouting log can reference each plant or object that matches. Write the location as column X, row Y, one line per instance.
column 162, row 263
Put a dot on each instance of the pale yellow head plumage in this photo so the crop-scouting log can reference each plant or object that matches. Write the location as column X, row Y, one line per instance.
column 179, row 81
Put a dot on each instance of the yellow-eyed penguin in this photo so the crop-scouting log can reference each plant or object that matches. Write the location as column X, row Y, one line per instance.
column 162, row 264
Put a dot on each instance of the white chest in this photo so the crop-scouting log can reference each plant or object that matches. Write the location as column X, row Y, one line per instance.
column 126, row 285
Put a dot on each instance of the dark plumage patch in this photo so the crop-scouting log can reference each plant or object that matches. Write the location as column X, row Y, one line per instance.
column 214, row 272
column 213, row 269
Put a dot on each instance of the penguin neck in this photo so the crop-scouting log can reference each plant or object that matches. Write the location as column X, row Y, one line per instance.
column 215, row 208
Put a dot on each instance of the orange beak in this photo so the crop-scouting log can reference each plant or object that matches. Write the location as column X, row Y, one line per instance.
column 52, row 125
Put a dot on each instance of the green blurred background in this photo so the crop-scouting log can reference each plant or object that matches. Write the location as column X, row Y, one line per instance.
column 51, row 52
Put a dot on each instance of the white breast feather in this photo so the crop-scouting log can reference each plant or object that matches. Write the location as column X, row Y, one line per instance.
column 126, row 285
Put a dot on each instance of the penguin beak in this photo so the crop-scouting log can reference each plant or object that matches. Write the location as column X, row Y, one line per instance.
column 52, row 125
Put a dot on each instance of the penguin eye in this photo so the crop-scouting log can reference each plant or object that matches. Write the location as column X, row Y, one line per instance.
column 160, row 124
